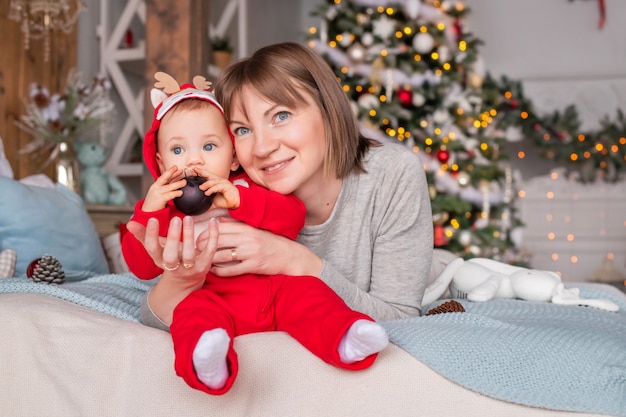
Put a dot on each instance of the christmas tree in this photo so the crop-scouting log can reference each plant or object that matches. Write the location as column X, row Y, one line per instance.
column 414, row 75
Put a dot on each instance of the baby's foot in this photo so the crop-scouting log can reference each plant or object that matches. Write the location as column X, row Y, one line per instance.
column 209, row 358
column 362, row 339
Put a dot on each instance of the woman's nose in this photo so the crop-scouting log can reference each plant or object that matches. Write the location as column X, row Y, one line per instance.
column 264, row 142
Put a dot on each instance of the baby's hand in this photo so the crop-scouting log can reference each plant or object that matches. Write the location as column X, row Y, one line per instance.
column 165, row 188
column 226, row 193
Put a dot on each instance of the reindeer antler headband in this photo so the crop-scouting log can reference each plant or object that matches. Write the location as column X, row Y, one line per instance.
column 168, row 92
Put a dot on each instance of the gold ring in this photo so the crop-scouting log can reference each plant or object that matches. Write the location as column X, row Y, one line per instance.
column 188, row 265
column 171, row 269
column 233, row 254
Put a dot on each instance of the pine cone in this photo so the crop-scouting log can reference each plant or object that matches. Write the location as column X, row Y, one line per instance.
column 46, row 269
column 451, row 306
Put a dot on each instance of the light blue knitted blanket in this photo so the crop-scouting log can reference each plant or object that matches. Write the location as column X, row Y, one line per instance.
column 537, row 354
column 545, row 355
column 118, row 295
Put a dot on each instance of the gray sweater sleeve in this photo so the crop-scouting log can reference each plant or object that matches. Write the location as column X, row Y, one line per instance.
column 148, row 317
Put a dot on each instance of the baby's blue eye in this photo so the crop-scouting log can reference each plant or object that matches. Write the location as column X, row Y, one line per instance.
column 208, row 147
column 177, row 150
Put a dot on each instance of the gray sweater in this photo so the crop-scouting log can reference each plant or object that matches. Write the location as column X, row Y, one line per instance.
column 377, row 245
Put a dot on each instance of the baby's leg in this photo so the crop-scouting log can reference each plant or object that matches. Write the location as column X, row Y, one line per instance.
column 209, row 358
column 363, row 338
column 314, row 315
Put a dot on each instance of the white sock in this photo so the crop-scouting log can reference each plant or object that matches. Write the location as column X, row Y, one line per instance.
column 209, row 358
column 362, row 339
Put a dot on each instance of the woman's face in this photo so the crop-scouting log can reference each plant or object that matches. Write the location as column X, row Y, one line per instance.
column 280, row 148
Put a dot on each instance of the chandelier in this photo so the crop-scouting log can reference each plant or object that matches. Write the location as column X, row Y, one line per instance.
column 37, row 18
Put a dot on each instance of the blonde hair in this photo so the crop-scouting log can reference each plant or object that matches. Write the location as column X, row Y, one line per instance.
column 280, row 73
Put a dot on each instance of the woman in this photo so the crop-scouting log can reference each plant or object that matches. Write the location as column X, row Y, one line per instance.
column 368, row 228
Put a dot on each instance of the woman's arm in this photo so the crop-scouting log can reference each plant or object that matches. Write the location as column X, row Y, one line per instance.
column 194, row 262
column 262, row 252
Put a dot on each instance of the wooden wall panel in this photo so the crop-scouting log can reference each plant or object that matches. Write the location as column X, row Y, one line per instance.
column 18, row 69
column 176, row 43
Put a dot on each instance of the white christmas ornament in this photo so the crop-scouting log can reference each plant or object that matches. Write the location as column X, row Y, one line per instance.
column 463, row 178
column 356, row 53
column 346, row 39
column 444, row 53
column 517, row 236
column 331, row 13
column 412, row 8
column 479, row 67
column 384, row 27
column 423, row 42
column 465, row 238
column 513, row 134
column 440, row 116
column 367, row 39
column 369, row 101
column 418, row 99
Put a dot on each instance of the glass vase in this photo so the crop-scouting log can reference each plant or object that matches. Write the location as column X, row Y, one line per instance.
column 66, row 167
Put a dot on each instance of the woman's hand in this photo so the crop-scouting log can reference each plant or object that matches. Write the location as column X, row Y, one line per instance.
column 244, row 249
column 185, row 262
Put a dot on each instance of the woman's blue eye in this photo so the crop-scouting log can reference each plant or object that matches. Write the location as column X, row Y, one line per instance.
column 177, row 150
column 283, row 115
column 241, row 131
column 208, row 147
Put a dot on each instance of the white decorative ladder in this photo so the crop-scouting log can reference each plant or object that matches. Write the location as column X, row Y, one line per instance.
column 116, row 60
column 112, row 55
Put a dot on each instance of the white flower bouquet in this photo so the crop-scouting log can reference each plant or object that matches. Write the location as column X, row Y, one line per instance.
column 67, row 117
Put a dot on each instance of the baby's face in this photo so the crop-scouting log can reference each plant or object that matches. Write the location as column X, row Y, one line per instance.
column 196, row 141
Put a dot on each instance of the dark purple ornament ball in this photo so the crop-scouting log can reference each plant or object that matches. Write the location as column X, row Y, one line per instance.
column 193, row 201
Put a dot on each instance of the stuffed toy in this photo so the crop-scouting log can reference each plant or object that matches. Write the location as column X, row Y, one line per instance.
column 482, row 279
column 96, row 184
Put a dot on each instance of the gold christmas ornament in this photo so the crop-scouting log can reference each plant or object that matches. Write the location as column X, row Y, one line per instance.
column 475, row 80
column 376, row 74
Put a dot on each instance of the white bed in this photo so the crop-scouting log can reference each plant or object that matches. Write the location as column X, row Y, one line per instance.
column 61, row 359
column 77, row 349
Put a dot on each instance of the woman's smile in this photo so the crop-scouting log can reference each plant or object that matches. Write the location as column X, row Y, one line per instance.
column 271, row 168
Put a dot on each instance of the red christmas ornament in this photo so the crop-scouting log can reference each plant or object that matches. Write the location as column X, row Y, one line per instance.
column 405, row 96
column 129, row 39
column 440, row 238
column 443, row 156
column 514, row 104
column 457, row 29
column 31, row 267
